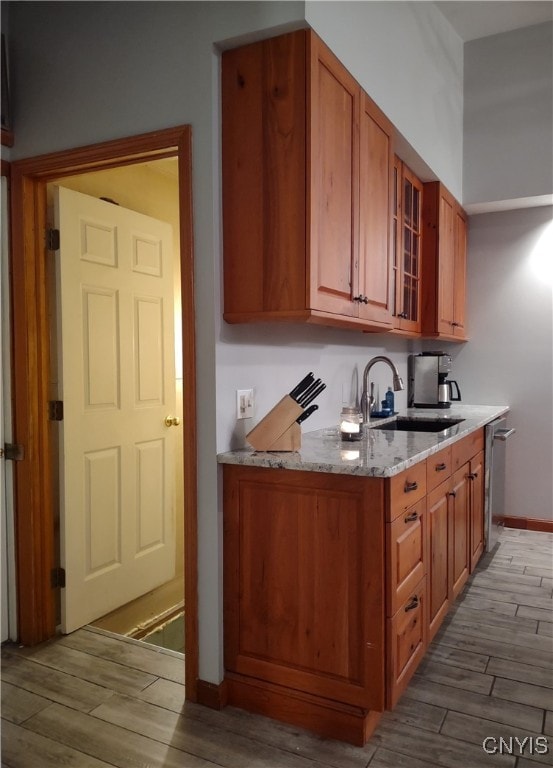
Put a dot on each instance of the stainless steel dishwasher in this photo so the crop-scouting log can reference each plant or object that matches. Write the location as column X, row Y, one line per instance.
column 497, row 433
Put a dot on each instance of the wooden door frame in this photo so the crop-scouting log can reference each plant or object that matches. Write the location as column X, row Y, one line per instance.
column 34, row 506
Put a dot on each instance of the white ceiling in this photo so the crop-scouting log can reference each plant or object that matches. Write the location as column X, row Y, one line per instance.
column 472, row 19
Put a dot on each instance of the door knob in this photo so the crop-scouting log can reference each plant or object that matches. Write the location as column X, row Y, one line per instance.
column 172, row 421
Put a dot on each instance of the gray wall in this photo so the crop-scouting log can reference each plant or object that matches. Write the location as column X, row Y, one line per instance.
column 508, row 116
column 135, row 67
column 510, row 306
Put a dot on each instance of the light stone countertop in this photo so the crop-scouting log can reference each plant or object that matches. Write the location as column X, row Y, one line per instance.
column 380, row 453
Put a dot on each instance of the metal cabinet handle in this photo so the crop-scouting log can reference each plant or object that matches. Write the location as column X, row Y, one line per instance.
column 503, row 434
column 403, row 315
column 413, row 602
column 411, row 518
column 361, row 299
column 410, row 486
column 452, row 493
column 472, row 475
column 440, row 467
column 455, row 324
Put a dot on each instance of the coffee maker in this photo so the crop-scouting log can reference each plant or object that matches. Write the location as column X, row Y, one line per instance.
column 427, row 381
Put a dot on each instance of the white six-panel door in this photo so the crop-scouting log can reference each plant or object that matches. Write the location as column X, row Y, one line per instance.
column 117, row 381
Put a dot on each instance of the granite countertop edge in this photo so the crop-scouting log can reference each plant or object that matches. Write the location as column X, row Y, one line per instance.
column 379, row 454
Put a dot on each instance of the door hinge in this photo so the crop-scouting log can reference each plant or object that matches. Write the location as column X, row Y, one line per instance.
column 52, row 239
column 13, row 452
column 58, row 578
column 55, row 410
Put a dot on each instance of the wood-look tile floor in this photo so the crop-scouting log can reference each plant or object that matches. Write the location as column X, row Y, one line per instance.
column 93, row 699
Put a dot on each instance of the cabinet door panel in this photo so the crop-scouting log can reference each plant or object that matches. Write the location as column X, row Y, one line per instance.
column 375, row 201
column 446, row 265
column 459, row 530
column 476, row 509
column 438, row 556
column 304, row 596
column 460, row 271
column 334, row 189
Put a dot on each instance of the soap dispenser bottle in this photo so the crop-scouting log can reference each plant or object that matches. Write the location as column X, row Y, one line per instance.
column 390, row 400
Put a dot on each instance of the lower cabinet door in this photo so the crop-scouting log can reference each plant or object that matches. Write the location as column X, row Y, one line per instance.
column 406, row 642
column 459, row 530
column 476, row 477
column 438, row 556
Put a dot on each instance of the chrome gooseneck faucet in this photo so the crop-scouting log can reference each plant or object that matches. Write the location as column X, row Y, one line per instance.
column 367, row 400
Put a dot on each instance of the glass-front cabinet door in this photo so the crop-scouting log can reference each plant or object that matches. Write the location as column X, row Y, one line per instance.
column 407, row 249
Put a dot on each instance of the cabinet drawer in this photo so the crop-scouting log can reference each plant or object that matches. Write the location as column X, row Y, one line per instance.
column 406, row 489
column 406, row 542
column 466, row 448
column 406, row 642
column 438, row 468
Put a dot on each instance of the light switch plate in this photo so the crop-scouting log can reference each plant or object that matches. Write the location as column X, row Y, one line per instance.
column 244, row 403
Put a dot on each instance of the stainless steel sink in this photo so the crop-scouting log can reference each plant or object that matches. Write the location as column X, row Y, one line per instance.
column 419, row 425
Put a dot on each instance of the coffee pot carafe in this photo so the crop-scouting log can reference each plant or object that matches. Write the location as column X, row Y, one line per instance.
column 445, row 393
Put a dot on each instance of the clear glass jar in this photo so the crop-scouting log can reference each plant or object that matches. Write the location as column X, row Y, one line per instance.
column 351, row 427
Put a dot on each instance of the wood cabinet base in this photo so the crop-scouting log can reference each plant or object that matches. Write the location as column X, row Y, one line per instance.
column 328, row 718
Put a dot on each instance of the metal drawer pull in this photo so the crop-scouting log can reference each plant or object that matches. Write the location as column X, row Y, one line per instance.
column 452, row 493
column 472, row 475
column 412, row 517
column 503, row 434
column 410, row 486
column 412, row 604
column 440, row 467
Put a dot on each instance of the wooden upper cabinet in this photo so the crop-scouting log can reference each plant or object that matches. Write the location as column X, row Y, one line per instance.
column 374, row 289
column 334, row 184
column 407, row 249
column 444, row 264
column 307, row 162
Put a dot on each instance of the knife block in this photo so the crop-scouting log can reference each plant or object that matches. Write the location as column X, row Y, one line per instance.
column 278, row 430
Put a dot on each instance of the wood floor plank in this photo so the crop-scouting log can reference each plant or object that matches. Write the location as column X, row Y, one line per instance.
column 110, row 743
column 458, row 677
column 199, row 738
column 485, row 618
column 475, row 730
column 108, row 674
column 164, row 693
column 492, row 577
column 497, row 709
column 545, row 628
column 457, row 657
column 18, row 704
column 53, row 685
column 467, row 625
column 139, row 656
column 507, row 596
column 416, row 713
column 22, row 748
column 540, row 614
column 435, row 748
column 522, row 693
column 524, row 673
column 385, row 758
column 484, row 647
column 478, row 603
column 548, row 723
column 539, row 570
